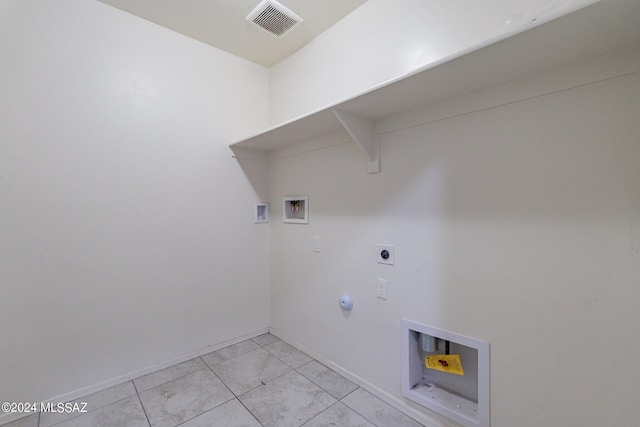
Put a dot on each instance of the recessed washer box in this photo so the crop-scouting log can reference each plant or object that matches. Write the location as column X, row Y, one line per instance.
column 464, row 399
column 295, row 209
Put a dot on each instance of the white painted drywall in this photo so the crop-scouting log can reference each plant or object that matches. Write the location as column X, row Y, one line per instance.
column 127, row 234
column 386, row 39
column 517, row 224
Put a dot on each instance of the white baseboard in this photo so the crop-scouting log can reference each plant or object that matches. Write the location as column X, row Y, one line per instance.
column 86, row 391
column 407, row 408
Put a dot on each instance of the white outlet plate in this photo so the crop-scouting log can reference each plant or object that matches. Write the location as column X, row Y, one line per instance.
column 315, row 243
column 382, row 288
column 389, row 251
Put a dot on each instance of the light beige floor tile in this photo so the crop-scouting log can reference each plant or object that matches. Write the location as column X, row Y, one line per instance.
column 289, row 400
column 376, row 411
column 123, row 413
column 94, row 401
column 230, row 414
column 338, row 415
column 288, row 354
column 328, row 380
column 184, row 398
column 28, row 421
column 265, row 339
column 229, row 352
column 171, row 373
column 249, row 370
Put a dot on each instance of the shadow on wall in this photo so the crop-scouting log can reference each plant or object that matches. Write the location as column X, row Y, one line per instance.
column 254, row 166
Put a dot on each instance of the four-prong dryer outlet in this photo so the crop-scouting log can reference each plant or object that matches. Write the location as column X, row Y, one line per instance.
column 386, row 254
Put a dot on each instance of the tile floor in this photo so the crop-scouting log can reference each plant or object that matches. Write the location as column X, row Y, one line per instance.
column 258, row 382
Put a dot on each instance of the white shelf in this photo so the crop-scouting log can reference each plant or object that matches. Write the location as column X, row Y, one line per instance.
column 604, row 27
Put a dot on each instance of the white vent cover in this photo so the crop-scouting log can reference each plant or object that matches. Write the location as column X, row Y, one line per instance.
column 274, row 18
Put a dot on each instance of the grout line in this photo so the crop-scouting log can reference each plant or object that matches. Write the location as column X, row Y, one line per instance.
column 235, row 357
column 316, row 384
column 207, row 367
column 235, row 396
column 353, row 409
column 142, row 405
column 262, row 383
column 330, row 370
column 249, row 411
column 209, row 410
column 98, row 408
column 294, row 349
column 173, row 379
column 325, row 409
column 349, row 394
column 93, row 409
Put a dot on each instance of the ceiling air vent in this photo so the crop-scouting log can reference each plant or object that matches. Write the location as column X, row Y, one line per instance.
column 274, row 18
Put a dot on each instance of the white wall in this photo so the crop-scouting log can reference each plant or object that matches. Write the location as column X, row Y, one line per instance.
column 517, row 224
column 127, row 228
column 386, row 39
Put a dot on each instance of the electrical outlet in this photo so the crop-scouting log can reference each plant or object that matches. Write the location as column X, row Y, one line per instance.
column 386, row 254
column 315, row 243
column 382, row 288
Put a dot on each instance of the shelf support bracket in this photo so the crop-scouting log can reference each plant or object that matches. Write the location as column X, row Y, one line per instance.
column 248, row 153
column 363, row 133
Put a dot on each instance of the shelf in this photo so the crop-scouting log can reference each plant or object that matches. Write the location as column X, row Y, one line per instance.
column 593, row 31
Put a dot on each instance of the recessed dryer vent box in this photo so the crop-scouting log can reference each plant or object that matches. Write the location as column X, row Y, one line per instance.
column 462, row 398
column 262, row 213
column 295, row 209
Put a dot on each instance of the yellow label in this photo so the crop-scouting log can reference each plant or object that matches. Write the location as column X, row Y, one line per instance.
column 445, row 362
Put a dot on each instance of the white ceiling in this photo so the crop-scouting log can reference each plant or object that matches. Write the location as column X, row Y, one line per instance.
column 221, row 23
